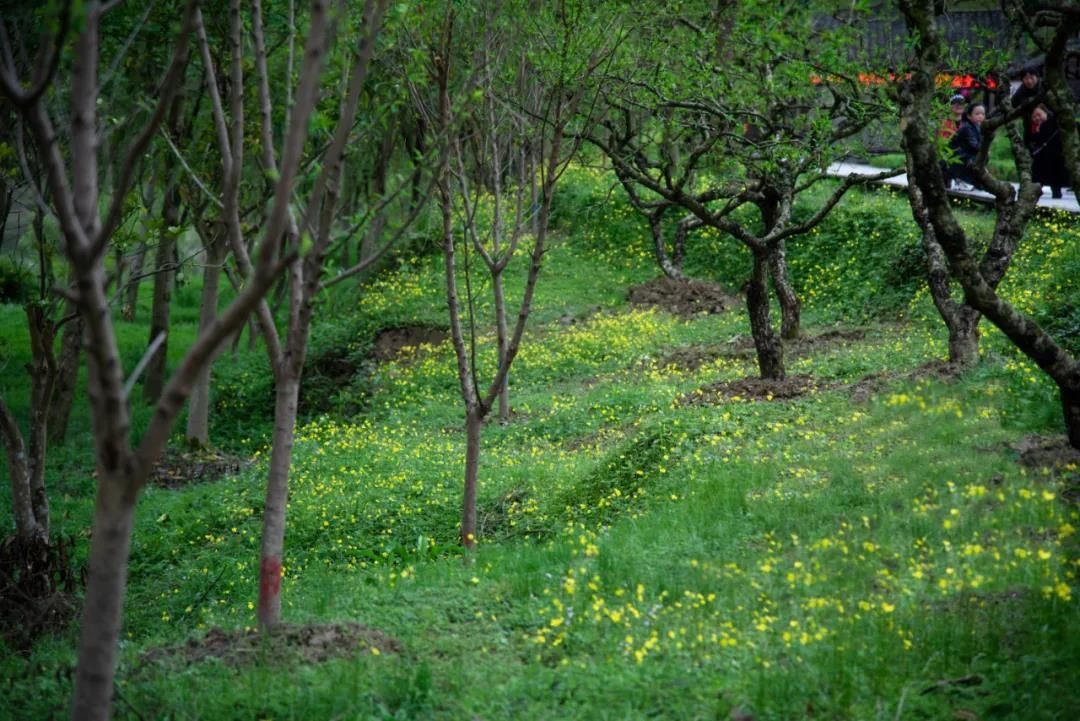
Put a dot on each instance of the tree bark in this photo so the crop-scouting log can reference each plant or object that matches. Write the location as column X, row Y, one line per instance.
column 110, row 547
column 67, row 374
column 790, row 307
column 961, row 321
column 277, row 492
column 670, row 268
column 18, row 470
column 198, row 420
column 502, row 340
column 473, row 423
column 1070, row 404
column 770, row 350
column 42, row 383
column 163, row 288
column 131, row 293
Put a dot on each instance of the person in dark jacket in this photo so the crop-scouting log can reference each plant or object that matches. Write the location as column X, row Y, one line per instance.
column 1030, row 87
column 965, row 145
column 1042, row 136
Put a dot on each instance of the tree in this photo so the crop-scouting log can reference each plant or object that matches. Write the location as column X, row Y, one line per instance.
column 304, row 273
column 980, row 279
column 488, row 150
column 26, row 454
column 122, row 469
column 711, row 134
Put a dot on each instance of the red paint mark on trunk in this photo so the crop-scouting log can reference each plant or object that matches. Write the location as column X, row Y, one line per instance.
column 269, row 579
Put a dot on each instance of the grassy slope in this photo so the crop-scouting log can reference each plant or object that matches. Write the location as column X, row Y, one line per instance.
column 639, row 558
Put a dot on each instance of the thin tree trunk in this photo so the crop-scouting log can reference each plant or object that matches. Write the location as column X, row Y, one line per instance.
column 502, row 340
column 163, row 289
column 198, row 420
column 277, row 491
column 770, row 350
column 131, row 293
column 110, row 547
column 42, row 383
column 656, row 227
column 474, row 420
column 67, row 375
column 790, row 307
column 18, row 471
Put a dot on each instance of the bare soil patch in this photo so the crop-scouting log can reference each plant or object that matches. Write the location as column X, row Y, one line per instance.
column 1053, row 453
column 870, row 385
column 742, row 347
column 390, row 343
column 1052, row 458
column 682, row 297
column 37, row 588
column 754, row 389
column 313, row 643
column 177, row 468
column 806, row 344
column 693, row 357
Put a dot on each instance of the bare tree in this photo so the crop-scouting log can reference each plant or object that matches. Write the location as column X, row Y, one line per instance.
column 122, row 469
column 304, row 274
column 574, row 62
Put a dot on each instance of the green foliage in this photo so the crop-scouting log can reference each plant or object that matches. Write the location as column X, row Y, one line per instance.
column 17, row 284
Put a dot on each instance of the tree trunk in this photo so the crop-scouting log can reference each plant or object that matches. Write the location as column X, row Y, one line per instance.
column 770, row 350
column 67, row 374
column 198, row 420
column 18, row 471
column 1070, row 404
column 670, row 268
column 131, row 297
column 474, row 419
column 110, row 546
column 163, row 288
column 961, row 320
column 277, row 494
column 502, row 339
column 42, row 383
column 790, row 307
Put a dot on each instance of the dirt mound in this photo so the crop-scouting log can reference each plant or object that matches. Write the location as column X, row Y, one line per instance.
column 682, row 297
column 392, row 341
column 863, row 389
column 754, row 389
column 806, row 344
column 37, row 588
column 177, row 469
column 1054, row 458
column 692, row 357
column 304, row 643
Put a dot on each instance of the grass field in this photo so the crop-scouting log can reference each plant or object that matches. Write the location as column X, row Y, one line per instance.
column 870, row 550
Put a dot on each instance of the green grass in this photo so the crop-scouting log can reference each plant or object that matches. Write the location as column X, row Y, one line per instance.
column 639, row 558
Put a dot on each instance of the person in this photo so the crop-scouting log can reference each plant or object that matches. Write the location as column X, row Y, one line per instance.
column 948, row 129
column 956, row 115
column 965, row 144
column 1042, row 136
column 1030, row 87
